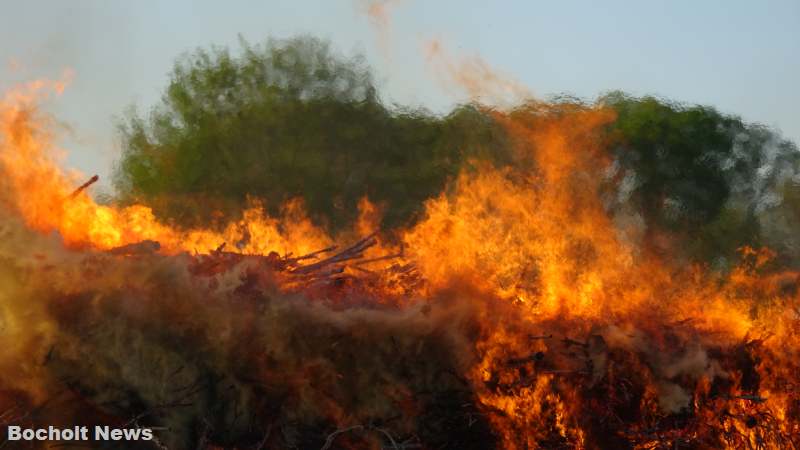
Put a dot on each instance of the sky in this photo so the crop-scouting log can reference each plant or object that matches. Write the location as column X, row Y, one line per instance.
column 742, row 57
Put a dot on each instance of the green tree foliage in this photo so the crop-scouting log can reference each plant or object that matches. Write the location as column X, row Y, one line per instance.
column 283, row 120
column 676, row 154
column 699, row 173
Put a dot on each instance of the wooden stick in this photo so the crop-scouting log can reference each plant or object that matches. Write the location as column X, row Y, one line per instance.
column 83, row 187
column 353, row 252
column 379, row 258
column 313, row 254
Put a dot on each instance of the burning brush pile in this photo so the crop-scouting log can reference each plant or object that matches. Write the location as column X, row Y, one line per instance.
column 518, row 313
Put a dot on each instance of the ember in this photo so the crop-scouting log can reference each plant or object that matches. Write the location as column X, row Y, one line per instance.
column 515, row 314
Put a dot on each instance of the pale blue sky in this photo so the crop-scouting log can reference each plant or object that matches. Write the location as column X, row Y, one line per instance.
column 742, row 57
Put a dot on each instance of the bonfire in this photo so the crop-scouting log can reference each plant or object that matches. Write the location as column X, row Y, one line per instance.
column 514, row 315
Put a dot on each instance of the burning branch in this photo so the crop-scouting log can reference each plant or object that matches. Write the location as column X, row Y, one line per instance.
column 355, row 251
column 332, row 437
column 139, row 248
column 83, row 187
column 394, row 445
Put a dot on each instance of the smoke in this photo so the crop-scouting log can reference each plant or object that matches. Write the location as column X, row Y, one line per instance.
column 24, row 324
column 379, row 13
column 475, row 77
column 687, row 360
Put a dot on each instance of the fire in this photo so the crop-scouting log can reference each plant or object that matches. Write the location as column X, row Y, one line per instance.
column 544, row 243
column 40, row 192
column 575, row 336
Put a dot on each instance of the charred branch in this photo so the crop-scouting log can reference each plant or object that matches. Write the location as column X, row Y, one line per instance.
column 355, row 251
column 84, row 186
column 145, row 247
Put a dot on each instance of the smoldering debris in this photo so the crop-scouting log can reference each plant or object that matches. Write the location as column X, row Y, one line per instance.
column 212, row 359
column 142, row 340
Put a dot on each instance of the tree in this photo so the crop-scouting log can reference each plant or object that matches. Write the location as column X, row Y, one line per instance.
column 703, row 175
column 287, row 119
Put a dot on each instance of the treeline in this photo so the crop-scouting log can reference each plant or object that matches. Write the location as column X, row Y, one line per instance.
column 292, row 118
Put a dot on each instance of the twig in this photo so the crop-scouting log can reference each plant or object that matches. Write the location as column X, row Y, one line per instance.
column 353, row 252
column 543, row 336
column 313, row 254
column 388, row 436
column 332, row 436
column 265, row 439
column 567, row 341
column 376, row 259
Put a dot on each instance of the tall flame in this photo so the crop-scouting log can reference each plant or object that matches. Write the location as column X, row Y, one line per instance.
column 543, row 242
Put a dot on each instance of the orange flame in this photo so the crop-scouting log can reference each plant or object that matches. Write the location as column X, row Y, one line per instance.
column 538, row 243
column 40, row 192
column 543, row 243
